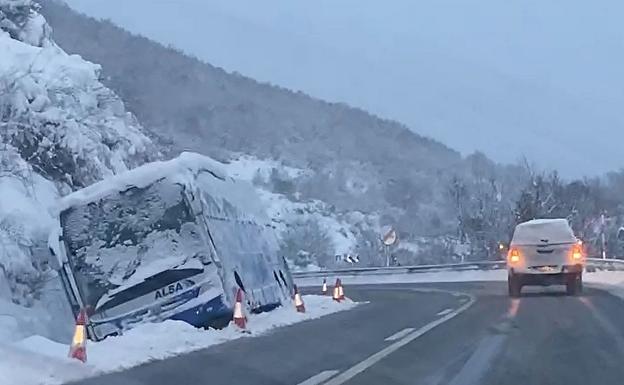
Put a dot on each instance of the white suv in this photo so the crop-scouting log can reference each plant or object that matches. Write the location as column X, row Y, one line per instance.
column 545, row 252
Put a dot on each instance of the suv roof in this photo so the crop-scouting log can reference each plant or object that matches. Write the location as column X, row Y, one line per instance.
column 541, row 231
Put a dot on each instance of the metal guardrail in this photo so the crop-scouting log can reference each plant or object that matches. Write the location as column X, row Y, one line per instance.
column 604, row 264
column 592, row 264
column 478, row 265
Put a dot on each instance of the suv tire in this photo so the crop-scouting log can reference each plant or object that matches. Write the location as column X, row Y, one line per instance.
column 514, row 286
column 574, row 286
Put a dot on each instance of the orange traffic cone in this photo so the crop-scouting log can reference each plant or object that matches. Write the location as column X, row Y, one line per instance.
column 336, row 292
column 239, row 317
column 299, row 305
column 341, row 291
column 78, row 347
column 324, row 290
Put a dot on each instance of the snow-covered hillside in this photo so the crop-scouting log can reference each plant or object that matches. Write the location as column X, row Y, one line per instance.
column 60, row 129
column 354, row 161
column 307, row 227
column 435, row 65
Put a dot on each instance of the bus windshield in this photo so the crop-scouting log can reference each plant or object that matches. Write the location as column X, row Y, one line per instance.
column 127, row 237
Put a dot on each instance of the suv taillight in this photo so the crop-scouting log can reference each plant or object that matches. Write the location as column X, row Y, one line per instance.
column 514, row 255
column 577, row 252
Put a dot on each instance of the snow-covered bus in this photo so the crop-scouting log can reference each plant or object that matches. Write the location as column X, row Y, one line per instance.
column 167, row 240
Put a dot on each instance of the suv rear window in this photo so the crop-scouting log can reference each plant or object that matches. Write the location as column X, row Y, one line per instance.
column 541, row 231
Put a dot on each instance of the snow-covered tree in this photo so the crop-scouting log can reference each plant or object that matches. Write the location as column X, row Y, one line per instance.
column 60, row 129
column 21, row 20
column 307, row 243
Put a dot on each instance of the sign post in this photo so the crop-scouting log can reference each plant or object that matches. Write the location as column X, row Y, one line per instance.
column 603, row 240
column 389, row 238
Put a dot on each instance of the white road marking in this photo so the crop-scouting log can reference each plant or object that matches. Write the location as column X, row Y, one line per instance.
column 445, row 311
column 513, row 308
column 372, row 360
column 319, row 378
column 399, row 335
column 481, row 359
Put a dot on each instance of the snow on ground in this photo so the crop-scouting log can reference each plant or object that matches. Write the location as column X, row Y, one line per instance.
column 611, row 281
column 247, row 167
column 409, row 246
column 60, row 129
column 285, row 212
column 39, row 361
column 24, row 216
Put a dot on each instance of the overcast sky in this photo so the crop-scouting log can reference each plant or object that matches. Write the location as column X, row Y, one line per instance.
column 544, row 79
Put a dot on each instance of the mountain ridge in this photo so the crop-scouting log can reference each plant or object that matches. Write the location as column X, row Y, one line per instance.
column 192, row 105
column 54, row 11
column 351, row 161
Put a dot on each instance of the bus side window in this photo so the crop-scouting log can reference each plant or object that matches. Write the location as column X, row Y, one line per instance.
column 283, row 279
column 276, row 278
column 239, row 282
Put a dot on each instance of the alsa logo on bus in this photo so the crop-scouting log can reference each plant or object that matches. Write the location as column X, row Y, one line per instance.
column 169, row 290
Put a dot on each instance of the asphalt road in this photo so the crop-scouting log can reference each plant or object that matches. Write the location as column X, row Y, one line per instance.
column 478, row 337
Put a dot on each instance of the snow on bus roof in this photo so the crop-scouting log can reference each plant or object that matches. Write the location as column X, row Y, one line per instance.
column 545, row 221
column 537, row 230
column 180, row 169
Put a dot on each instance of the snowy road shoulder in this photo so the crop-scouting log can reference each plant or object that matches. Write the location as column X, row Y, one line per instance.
column 39, row 361
column 612, row 281
column 421, row 277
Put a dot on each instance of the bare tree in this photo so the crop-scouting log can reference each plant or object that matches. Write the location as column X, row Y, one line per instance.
column 305, row 242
